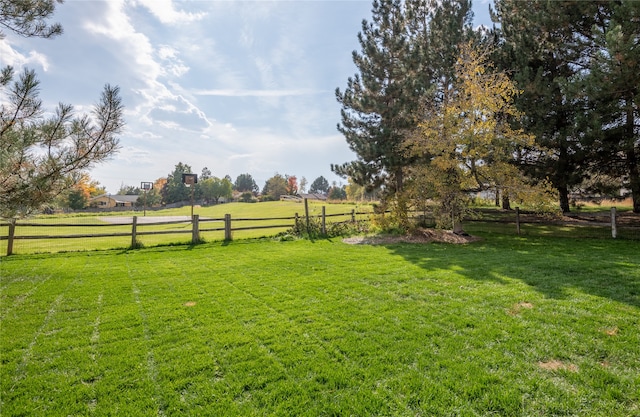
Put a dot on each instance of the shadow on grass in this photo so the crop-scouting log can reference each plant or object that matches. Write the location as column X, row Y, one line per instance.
column 605, row 268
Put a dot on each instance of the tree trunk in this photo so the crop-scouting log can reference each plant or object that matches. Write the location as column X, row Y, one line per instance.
column 497, row 197
column 399, row 180
column 564, row 199
column 632, row 159
column 634, row 177
column 506, row 204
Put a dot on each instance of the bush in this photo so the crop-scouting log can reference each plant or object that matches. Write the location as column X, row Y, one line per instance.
column 313, row 228
column 247, row 198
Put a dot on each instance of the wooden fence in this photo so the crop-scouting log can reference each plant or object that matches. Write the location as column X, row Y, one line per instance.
column 599, row 225
column 136, row 226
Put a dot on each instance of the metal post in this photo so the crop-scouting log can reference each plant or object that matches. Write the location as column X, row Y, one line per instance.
column 324, row 221
column 614, row 228
column 192, row 187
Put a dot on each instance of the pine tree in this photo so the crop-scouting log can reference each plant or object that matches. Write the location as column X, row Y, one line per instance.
column 40, row 157
column 611, row 93
column 378, row 104
column 43, row 156
column 245, row 183
column 405, row 65
column 29, row 18
column 540, row 45
column 175, row 190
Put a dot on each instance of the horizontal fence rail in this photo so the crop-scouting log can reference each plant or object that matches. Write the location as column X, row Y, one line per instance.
column 127, row 232
column 136, row 227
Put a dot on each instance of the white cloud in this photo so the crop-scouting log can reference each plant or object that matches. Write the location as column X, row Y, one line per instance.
column 165, row 12
column 172, row 64
column 258, row 93
column 134, row 155
column 156, row 104
column 133, row 47
column 18, row 60
column 200, row 93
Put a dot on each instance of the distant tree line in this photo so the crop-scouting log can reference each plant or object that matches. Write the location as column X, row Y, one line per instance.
column 208, row 190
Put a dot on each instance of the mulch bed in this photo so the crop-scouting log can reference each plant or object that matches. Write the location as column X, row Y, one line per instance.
column 418, row 236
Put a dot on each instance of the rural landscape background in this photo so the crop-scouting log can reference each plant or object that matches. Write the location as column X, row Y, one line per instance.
column 474, row 250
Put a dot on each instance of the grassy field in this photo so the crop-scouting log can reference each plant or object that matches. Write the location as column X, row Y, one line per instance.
column 505, row 327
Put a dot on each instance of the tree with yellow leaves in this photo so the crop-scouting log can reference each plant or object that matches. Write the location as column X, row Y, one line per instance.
column 466, row 143
column 80, row 193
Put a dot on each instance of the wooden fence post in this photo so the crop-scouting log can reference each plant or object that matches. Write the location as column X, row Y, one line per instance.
column 518, row 220
column 353, row 215
column 195, row 229
column 134, row 232
column 306, row 212
column 227, row 227
column 324, row 221
column 12, row 233
column 614, row 228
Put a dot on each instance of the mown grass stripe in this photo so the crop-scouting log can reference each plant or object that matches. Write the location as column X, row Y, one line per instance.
column 151, row 364
column 502, row 327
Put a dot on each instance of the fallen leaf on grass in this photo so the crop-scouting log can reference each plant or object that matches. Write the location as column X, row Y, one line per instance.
column 190, row 303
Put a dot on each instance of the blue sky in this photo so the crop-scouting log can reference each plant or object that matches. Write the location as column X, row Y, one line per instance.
column 235, row 86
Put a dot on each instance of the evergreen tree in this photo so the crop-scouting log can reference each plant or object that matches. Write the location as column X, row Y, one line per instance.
column 205, row 174
column 40, row 157
column 405, row 66
column 547, row 45
column 450, row 26
column 76, row 199
column 611, row 92
column 175, row 190
column 378, row 103
column 244, row 183
column 337, row 193
column 319, row 185
column 29, row 18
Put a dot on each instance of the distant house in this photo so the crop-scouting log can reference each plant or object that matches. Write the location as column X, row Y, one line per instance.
column 107, row 201
column 316, row 196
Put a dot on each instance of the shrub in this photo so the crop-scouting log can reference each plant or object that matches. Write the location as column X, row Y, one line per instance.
column 313, row 228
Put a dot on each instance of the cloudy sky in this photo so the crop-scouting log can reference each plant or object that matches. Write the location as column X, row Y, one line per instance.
column 235, row 86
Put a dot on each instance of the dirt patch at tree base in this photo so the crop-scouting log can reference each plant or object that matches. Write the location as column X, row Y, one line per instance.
column 418, row 236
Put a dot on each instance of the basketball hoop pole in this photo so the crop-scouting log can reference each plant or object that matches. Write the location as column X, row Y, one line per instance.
column 192, row 187
column 146, row 186
column 190, row 180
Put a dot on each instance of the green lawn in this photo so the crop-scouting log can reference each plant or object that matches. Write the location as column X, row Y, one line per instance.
column 506, row 326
